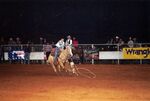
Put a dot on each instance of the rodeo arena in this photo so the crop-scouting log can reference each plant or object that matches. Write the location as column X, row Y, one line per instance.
column 70, row 66
column 106, row 72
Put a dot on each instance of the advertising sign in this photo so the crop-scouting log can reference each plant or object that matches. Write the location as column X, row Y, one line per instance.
column 105, row 55
column 136, row 53
column 16, row 55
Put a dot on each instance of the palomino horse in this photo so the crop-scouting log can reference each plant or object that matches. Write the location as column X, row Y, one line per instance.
column 62, row 59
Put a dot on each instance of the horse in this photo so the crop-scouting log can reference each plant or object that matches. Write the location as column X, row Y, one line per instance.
column 65, row 54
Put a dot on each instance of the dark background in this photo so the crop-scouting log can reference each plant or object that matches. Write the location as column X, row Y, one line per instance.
column 91, row 21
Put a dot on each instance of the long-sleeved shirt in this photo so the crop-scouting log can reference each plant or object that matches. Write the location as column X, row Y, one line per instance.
column 60, row 44
column 68, row 42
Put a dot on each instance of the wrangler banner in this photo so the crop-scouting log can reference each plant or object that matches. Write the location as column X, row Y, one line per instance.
column 136, row 53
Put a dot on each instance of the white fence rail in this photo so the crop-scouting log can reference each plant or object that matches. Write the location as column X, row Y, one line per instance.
column 84, row 53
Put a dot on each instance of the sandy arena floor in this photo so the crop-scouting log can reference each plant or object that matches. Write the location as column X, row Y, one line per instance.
column 39, row 83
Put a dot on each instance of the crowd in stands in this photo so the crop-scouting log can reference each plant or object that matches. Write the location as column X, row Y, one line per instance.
column 131, row 42
column 118, row 40
column 83, row 51
column 18, row 41
column 113, row 40
column 17, row 44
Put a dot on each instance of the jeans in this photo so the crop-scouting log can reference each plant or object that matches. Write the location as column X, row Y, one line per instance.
column 57, row 50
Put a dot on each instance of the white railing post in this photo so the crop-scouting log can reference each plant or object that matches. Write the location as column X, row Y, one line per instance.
column 92, row 54
column 141, row 59
column 118, row 54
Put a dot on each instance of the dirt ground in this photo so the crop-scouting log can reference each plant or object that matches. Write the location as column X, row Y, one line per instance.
column 37, row 82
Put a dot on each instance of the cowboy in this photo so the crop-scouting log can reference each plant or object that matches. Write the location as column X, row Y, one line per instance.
column 59, row 46
column 69, row 44
column 69, row 41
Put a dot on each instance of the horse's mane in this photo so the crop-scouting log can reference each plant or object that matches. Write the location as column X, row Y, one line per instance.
column 64, row 54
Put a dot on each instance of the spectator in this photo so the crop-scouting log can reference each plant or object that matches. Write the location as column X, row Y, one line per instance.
column 75, row 43
column 111, row 41
column 121, row 43
column 135, row 42
column 11, row 41
column 11, row 48
column 41, row 40
column 130, row 42
column 18, row 41
column 27, row 50
column 47, row 50
column 81, row 54
column 2, row 42
column 53, row 45
column 2, row 50
column 116, row 41
column 40, row 47
column 45, row 41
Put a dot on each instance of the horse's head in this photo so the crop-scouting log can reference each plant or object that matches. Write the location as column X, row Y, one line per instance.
column 69, row 51
column 66, row 53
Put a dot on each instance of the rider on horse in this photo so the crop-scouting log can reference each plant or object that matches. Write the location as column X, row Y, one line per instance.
column 59, row 46
column 69, row 41
column 69, row 44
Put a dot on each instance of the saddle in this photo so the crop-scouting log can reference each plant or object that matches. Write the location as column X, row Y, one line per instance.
column 53, row 52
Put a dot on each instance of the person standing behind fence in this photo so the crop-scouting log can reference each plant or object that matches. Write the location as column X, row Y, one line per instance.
column 2, row 50
column 27, row 50
column 18, row 47
column 1, row 53
column 11, row 48
column 75, row 43
column 130, row 42
column 47, row 50
column 18, row 44
column 18, row 41
column 121, row 43
column 135, row 42
column 12, row 44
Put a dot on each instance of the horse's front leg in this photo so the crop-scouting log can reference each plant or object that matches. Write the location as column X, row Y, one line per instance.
column 59, row 68
column 60, row 62
column 54, row 68
column 51, row 61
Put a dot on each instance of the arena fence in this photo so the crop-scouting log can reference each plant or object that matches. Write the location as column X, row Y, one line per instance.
column 138, row 53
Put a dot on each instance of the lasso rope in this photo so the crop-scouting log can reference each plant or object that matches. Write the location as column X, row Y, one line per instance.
column 89, row 73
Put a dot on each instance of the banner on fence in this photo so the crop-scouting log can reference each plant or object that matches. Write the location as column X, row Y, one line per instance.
column 110, row 55
column 136, row 53
column 21, row 55
column 91, row 54
column 37, row 56
column 16, row 55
